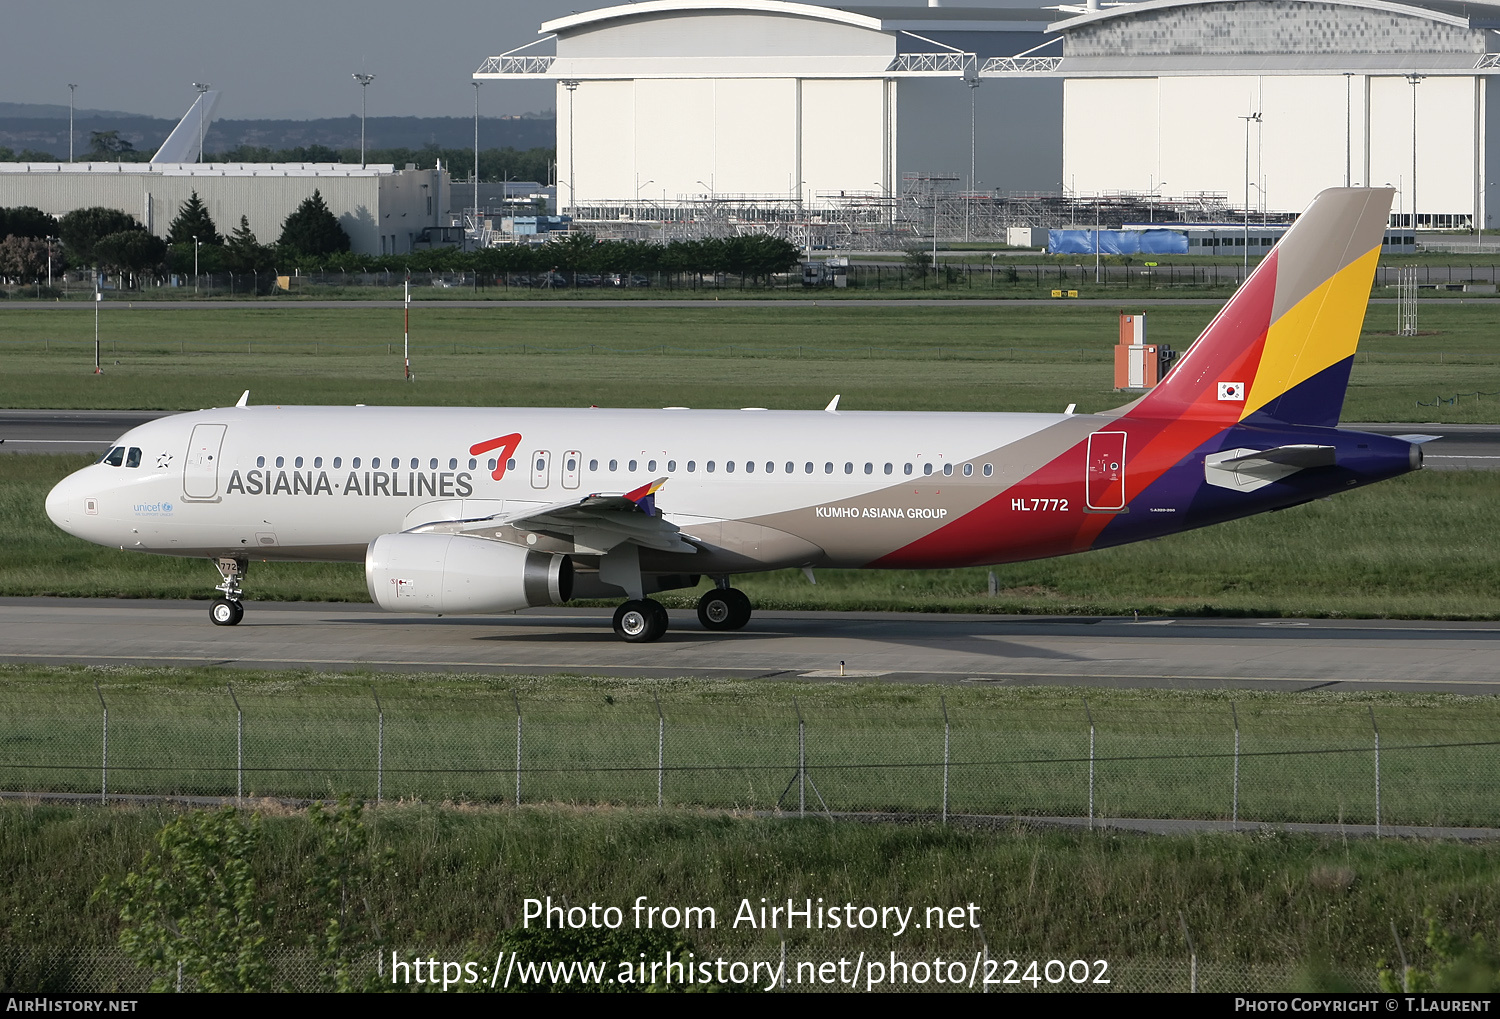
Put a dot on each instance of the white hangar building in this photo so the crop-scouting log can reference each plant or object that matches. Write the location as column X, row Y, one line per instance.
column 1281, row 98
column 670, row 99
column 1258, row 102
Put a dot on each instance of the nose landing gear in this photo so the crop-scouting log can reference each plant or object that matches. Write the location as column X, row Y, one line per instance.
column 228, row 610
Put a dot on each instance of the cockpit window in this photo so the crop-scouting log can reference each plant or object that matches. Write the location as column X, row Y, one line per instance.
column 133, row 458
column 114, row 457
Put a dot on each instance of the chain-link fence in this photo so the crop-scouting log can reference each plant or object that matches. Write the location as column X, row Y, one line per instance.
column 997, row 275
column 1260, row 761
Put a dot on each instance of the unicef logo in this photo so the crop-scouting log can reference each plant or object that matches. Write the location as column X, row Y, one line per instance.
column 166, row 507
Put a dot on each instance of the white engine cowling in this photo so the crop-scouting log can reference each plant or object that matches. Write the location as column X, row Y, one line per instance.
column 450, row 573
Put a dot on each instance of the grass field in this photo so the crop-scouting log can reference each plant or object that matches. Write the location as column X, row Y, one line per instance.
column 456, row 878
column 733, row 745
column 1022, row 358
column 1420, row 546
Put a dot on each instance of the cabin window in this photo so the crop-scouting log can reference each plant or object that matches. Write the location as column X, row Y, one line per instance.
column 338, row 462
column 281, row 462
column 749, row 466
column 968, row 470
column 869, row 468
column 374, row 463
column 807, row 468
column 593, row 465
column 907, row 469
column 317, row 461
column 651, row 466
column 947, row 470
column 354, row 463
column 432, row 464
column 297, row 463
column 493, row 463
column 510, row 464
column 614, row 465
column 709, row 467
column 888, row 468
column 671, row 466
column 729, row 466
column 828, row 468
column 926, row 469
column 453, row 463
column 632, row 465
column 692, row 466
column 260, row 461
column 791, row 468
column 989, row 469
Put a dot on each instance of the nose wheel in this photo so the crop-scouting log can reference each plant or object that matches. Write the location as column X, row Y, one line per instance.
column 724, row 608
column 640, row 621
column 229, row 610
column 224, row 612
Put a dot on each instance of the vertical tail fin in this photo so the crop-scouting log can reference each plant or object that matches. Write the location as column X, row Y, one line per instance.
column 1282, row 347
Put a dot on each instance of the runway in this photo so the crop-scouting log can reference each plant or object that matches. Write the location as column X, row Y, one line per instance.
column 1283, row 655
column 1461, row 447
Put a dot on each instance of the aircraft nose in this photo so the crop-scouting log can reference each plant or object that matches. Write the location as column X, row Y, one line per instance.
column 68, row 504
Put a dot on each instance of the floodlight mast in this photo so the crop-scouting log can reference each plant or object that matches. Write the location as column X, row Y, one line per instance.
column 202, row 87
column 72, row 88
column 364, row 83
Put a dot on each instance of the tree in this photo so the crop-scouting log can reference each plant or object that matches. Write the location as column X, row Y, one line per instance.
column 23, row 259
column 313, row 229
column 341, row 875
column 26, row 221
column 194, row 903
column 106, row 144
column 243, row 253
column 1469, row 966
column 81, row 230
column 193, row 221
column 130, row 251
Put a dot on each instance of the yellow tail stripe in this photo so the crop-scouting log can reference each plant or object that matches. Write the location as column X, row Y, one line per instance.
column 1316, row 333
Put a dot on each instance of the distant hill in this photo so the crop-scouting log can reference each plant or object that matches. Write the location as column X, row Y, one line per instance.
column 49, row 133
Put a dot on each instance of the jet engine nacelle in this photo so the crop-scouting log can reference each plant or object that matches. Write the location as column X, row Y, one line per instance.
column 443, row 573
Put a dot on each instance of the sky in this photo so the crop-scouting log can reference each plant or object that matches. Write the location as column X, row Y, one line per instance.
column 275, row 58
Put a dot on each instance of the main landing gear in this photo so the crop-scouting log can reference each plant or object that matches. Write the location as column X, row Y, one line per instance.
column 228, row 610
column 642, row 620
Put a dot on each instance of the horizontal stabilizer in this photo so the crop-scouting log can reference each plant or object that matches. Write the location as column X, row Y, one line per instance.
column 1245, row 470
column 1418, row 438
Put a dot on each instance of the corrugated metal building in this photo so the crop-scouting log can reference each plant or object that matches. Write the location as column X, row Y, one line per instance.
column 383, row 211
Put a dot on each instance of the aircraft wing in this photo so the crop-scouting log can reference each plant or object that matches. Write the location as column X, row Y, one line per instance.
column 597, row 523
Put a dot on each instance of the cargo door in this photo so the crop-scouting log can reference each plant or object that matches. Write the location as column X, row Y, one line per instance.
column 1105, row 485
column 200, row 469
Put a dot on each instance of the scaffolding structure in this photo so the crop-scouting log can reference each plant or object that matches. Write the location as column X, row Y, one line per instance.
column 879, row 220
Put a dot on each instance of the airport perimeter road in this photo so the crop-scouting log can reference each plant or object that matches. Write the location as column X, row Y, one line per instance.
column 1462, row 447
column 895, row 647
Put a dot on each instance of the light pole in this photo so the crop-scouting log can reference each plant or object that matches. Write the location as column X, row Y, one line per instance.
column 364, row 84
column 1348, row 127
column 196, row 245
column 973, row 84
column 1415, row 79
column 638, row 185
column 572, row 87
column 202, row 87
column 49, row 262
column 476, row 161
column 1247, row 119
column 72, row 88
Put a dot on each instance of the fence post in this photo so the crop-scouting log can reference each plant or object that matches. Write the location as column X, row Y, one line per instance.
column 1377, row 768
column 1090, row 715
column 516, row 701
column 801, row 761
column 661, row 747
column 239, row 747
column 1235, row 822
column 379, row 747
column 1192, row 954
column 944, row 701
column 104, row 749
column 1401, row 951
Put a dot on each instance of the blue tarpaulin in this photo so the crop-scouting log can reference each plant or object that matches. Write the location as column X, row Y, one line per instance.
column 1117, row 242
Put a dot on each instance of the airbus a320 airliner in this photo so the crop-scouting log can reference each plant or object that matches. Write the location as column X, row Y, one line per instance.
column 485, row 510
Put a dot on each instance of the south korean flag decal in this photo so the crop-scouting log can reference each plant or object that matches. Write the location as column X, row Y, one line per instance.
column 1232, row 391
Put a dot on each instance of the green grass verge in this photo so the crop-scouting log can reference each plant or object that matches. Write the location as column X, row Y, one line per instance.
column 456, row 879
column 950, row 358
column 1416, row 547
column 734, row 745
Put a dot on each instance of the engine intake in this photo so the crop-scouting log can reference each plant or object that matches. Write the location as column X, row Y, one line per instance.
column 451, row 573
